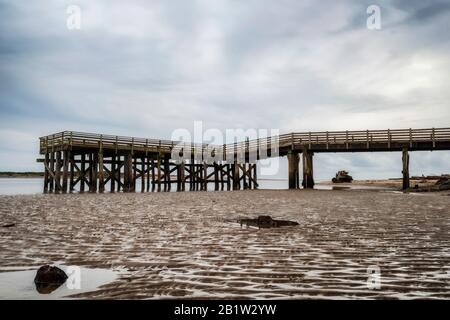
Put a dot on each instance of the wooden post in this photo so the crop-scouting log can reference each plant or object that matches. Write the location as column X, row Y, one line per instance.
column 58, row 172
column 205, row 176
column 52, row 169
column 153, row 175
column 181, row 177
column 236, row 180
column 46, row 173
column 293, row 161
column 244, row 176
column 167, row 178
column 148, row 173
column 142, row 174
column 197, row 175
column 94, row 172
column 308, row 174
column 101, row 174
column 249, row 172
column 177, row 169
column 200, row 171
column 91, row 172
column 228, row 177
column 216, row 176
column 72, row 172
column 128, row 172
column 66, row 157
column 255, row 180
column 119, row 165
column 112, row 180
column 221, row 182
column 158, row 163
column 133, row 180
column 191, row 179
column 405, row 171
column 82, row 173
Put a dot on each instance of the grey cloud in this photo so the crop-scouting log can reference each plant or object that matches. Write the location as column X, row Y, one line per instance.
column 145, row 68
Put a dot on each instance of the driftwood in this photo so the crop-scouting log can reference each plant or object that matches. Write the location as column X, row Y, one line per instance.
column 266, row 222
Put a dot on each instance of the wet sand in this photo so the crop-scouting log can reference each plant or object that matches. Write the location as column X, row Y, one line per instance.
column 184, row 245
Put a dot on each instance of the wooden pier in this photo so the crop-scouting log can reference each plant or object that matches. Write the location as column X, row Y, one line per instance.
column 86, row 162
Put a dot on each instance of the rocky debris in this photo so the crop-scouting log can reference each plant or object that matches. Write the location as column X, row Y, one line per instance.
column 266, row 222
column 342, row 176
column 49, row 278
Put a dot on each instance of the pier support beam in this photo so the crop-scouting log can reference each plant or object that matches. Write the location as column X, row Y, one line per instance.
column 83, row 172
column 255, row 177
column 66, row 156
column 101, row 173
column 58, row 172
column 236, row 180
column 46, row 173
column 72, row 172
column 94, row 173
column 405, row 171
column 52, row 170
column 293, row 161
column 112, row 181
column 128, row 172
column 308, row 174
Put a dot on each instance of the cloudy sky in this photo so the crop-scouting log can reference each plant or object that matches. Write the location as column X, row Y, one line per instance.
column 145, row 68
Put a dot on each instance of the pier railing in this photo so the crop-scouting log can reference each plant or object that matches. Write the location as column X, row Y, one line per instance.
column 294, row 140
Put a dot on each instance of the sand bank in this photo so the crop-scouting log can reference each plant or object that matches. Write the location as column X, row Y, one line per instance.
column 183, row 244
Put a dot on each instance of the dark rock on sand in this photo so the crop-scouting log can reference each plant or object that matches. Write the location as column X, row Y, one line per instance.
column 9, row 225
column 266, row 222
column 49, row 278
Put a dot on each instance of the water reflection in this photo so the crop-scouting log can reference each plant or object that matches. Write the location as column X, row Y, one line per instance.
column 20, row 284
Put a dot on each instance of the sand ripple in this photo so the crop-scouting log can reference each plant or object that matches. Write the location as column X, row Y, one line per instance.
column 182, row 244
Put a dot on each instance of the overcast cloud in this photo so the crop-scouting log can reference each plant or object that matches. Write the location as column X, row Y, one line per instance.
column 145, row 68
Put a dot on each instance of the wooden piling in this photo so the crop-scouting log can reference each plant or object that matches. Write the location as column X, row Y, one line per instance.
column 216, row 176
column 236, row 177
column 158, row 164
column 83, row 172
column 66, row 156
column 148, row 174
column 228, row 166
column 101, row 174
column 112, row 181
column 255, row 180
column 153, row 174
column 142, row 174
column 58, row 172
column 52, row 171
column 46, row 172
column 72, row 172
column 405, row 171
column 128, row 172
column 133, row 180
column 293, row 162
column 94, row 172
column 308, row 174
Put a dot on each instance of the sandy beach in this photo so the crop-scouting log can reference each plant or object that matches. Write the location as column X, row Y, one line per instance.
column 188, row 245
